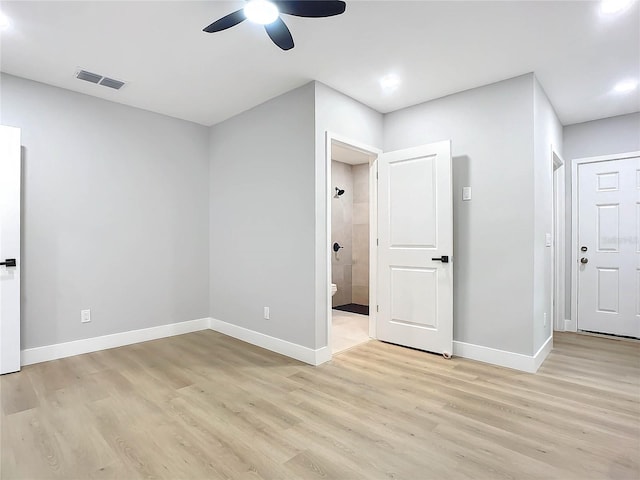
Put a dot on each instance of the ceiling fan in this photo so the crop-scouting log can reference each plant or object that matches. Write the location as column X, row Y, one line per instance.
column 267, row 13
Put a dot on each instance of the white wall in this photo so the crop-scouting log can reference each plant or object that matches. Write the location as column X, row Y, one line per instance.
column 591, row 139
column 262, row 218
column 344, row 116
column 547, row 133
column 492, row 135
column 114, row 214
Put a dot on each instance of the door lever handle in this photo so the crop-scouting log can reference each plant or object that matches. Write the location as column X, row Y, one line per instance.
column 9, row 262
column 443, row 259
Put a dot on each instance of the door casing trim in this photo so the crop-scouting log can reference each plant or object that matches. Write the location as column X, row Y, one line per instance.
column 373, row 152
column 572, row 324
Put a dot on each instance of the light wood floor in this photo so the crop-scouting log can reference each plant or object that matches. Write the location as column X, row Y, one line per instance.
column 206, row 406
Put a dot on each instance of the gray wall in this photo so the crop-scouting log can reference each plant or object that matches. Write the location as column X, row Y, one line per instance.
column 591, row 139
column 491, row 129
column 115, row 214
column 344, row 116
column 262, row 218
column 547, row 133
column 602, row 137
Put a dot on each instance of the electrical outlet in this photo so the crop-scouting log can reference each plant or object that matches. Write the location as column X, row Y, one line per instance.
column 85, row 316
column 266, row 313
column 545, row 319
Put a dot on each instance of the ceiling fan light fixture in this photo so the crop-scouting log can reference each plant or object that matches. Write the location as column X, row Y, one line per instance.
column 261, row 11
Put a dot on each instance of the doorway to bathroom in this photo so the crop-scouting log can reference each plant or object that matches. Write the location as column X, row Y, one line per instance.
column 352, row 199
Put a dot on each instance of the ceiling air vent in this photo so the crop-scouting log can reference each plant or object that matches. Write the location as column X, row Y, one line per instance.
column 88, row 76
column 99, row 79
column 111, row 83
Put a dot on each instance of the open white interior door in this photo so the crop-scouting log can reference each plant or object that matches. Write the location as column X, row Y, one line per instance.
column 415, row 235
column 9, row 249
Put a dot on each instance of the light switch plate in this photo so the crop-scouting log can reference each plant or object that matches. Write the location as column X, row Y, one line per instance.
column 547, row 240
column 466, row 193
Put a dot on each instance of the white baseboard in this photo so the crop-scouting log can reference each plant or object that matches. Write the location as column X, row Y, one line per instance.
column 517, row 361
column 30, row 356
column 293, row 350
column 323, row 355
column 542, row 353
column 87, row 345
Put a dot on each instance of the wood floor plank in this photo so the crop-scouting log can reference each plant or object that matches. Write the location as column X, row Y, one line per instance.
column 17, row 394
column 206, row 406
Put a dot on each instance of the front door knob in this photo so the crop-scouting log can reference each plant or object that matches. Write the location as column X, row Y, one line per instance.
column 584, row 260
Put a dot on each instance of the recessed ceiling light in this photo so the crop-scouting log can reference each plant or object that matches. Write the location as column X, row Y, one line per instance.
column 261, row 11
column 390, row 82
column 614, row 6
column 4, row 21
column 626, row 86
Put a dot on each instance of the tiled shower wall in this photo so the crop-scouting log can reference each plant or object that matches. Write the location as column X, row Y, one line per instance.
column 360, row 239
column 341, row 231
column 350, row 228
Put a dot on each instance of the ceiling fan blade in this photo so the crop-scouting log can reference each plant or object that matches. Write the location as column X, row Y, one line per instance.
column 280, row 34
column 311, row 8
column 226, row 22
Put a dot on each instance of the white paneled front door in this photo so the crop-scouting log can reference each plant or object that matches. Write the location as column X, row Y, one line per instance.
column 9, row 249
column 415, row 234
column 609, row 247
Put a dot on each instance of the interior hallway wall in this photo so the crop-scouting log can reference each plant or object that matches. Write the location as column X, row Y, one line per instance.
column 492, row 134
column 114, row 215
column 341, row 115
column 547, row 133
column 262, row 218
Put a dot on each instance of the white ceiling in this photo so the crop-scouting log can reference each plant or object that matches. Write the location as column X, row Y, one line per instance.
column 437, row 48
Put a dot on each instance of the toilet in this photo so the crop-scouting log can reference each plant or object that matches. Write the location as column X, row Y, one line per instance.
column 334, row 289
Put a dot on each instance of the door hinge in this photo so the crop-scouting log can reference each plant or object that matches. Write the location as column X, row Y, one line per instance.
column 377, row 242
column 377, row 308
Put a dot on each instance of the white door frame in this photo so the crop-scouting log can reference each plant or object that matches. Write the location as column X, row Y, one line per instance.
column 559, row 242
column 572, row 325
column 373, row 152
